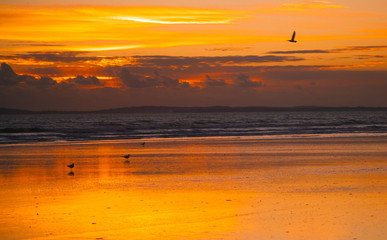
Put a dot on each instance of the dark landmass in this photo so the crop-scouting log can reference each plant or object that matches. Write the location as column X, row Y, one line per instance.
column 165, row 109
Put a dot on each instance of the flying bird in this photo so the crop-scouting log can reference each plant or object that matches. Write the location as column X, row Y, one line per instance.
column 71, row 166
column 126, row 156
column 143, row 144
column 293, row 36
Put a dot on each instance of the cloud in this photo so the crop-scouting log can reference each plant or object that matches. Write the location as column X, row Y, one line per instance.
column 51, row 71
column 166, row 81
column 9, row 78
column 63, row 64
column 319, row 75
column 144, row 81
column 334, row 50
column 184, row 61
column 136, row 81
column 244, row 81
column 35, row 44
column 7, row 75
column 224, row 49
column 362, row 48
column 42, row 82
column 209, row 82
column 88, row 81
column 307, row 5
column 365, row 56
column 64, row 57
column 300, row 51
column 283, row 86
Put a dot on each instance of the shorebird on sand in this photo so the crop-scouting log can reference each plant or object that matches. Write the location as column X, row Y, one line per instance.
column 71, row 166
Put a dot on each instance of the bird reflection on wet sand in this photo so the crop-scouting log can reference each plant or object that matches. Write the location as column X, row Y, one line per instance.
column 71, row 166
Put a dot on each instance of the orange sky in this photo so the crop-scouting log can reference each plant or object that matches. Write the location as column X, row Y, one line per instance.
column 205, row 50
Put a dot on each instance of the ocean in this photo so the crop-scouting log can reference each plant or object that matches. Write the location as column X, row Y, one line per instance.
column 30, row 128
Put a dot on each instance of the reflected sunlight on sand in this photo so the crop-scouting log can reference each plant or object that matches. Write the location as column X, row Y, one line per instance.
column 205, row 188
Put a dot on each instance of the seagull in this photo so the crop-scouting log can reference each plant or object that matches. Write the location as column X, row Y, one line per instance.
column 126, row 156
column 293, row 36
column 71, row 166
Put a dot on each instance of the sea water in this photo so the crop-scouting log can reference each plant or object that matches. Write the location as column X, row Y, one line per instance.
column 22, row 128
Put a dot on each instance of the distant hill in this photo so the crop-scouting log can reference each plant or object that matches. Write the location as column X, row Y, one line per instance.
column 14, row 111
column 166, row 109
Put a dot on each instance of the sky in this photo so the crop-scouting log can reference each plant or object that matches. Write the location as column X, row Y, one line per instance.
column 99, row 54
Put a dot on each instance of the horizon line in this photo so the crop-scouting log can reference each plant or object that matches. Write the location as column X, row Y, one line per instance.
column 149, row 108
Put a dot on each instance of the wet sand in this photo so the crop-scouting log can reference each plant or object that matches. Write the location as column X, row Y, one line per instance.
column 205, row 188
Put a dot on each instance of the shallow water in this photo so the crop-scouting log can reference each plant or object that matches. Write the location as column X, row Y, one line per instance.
column 203, row 188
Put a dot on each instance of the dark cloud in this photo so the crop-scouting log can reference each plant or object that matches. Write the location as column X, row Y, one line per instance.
column 64, row 57
column 88, row 81
column 133, row 80
column 362, row 48
column 322, row 75
column 43, row 82
column 30, row 43
column 300, row 51
column 7, row 75
column 335, row 50
column 244, row 81
column 51, row 71
column 364, row 56
column 166, row 81
column 210, row 82
column 186, row 61
column 136, row 81
column 152, row 85
column 141, row 68
column 9, row 78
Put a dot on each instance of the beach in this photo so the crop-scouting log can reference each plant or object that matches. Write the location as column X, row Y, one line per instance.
column 196, row 188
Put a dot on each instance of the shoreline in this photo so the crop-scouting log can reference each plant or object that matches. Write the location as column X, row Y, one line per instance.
column 171, row 139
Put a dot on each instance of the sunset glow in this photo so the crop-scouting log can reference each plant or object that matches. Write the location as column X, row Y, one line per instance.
column 338, row 43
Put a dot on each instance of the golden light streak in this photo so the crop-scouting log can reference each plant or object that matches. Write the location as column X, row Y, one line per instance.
column 96, row 49
column 188, row 20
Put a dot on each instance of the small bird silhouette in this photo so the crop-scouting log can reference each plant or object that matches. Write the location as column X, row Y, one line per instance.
column 293, row 36
column 71, row 166
column 143, row 144
column 126, row 156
